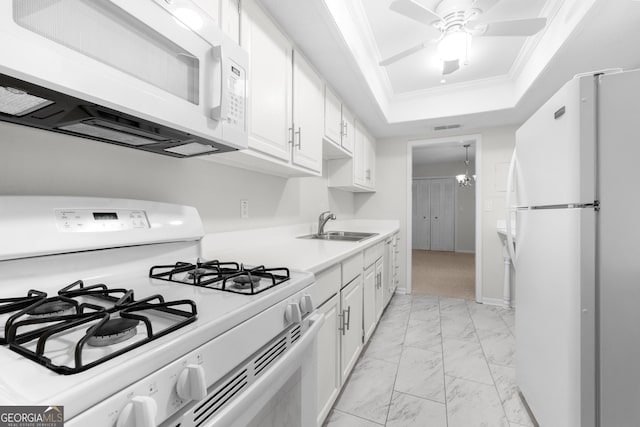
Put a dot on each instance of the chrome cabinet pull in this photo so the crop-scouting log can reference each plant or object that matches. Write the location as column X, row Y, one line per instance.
column 348, row 318
column 291, row 135
column 299, row 133
column 341, row 327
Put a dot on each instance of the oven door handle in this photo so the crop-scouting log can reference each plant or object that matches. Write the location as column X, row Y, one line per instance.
column 264, row 386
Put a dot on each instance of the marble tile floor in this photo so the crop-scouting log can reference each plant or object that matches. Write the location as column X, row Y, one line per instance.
column 435, row 362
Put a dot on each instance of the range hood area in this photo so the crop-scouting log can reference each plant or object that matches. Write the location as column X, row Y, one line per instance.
column 31, row 105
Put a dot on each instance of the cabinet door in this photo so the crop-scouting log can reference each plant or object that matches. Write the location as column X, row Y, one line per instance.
column 270, row 101
column 369, row 290
column 328, row 357
column 442, row 214
column 359, row 156
column 379, row 267
column 230, row 18
column 387, row 282
column 351, row 310
column 333, row 128
column 396, row 264
column 349, row 130
column 212, row 7
column 370, row 160
column 307, row 115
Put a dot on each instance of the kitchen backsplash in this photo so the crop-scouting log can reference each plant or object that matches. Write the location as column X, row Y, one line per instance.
column 36, row 162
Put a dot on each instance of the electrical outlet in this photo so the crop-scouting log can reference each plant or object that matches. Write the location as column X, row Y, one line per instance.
column 244, row 208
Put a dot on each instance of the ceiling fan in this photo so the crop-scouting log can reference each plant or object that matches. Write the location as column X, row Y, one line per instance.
column 452, row 24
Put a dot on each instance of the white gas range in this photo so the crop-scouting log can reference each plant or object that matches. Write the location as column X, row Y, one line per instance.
column 107, row 310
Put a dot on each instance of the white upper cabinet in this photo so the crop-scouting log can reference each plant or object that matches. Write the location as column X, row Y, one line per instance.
column 339, row 132
column 226, row 13
column 370, row 162
column 332, row 117
column 358, row 173
column 284, row 111
column 307, row 115
column 270, row 84
column 349, row 132
column 230, row 18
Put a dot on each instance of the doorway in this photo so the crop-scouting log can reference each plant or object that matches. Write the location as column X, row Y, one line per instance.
column 444, row 218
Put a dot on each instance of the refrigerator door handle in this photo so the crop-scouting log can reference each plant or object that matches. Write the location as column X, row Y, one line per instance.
column 510, row 210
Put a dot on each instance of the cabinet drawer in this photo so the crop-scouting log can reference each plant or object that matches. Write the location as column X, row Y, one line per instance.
column 373, row 253
column 327, row 285
column 351, row 268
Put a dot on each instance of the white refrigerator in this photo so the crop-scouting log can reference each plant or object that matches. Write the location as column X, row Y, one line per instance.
column 578, row 256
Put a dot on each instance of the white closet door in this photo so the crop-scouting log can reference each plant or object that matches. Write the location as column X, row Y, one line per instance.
column 421, row 216
column 442, row 214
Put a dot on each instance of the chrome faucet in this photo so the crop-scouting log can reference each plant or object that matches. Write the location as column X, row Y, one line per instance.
column 322, row 220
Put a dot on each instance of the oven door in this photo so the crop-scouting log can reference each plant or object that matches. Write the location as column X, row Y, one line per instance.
column 284, row 396
column 166, row 62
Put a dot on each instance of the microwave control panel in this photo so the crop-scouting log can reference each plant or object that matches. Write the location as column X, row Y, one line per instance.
column 237, row 93
column 89, row 220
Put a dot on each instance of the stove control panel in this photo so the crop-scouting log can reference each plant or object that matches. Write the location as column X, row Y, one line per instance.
column 89, row 220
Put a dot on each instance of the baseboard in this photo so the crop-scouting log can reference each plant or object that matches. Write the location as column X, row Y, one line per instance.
column 494, row 301
column 401, row 291
column 465, row 252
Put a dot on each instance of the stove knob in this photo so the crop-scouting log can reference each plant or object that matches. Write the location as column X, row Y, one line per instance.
column 191, row 383
column 306, row 304
column 139, row 412
column 292, row 313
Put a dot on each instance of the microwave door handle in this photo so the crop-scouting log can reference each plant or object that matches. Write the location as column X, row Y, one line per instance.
column 220, row 111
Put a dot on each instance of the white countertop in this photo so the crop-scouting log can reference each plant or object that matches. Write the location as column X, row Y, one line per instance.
column 279, row 247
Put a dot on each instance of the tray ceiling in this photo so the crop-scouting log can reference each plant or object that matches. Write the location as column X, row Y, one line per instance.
column 489, row 57
column 506, row 79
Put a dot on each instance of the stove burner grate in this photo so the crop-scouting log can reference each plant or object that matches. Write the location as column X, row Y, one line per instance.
column 116, row 323
column 224, row 276
column 16, row 304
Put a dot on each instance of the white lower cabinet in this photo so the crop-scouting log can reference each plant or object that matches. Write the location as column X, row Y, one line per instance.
column 329, row 376
column 353, row 299
column 379, row 276
column 369, row 291
column 351, row 330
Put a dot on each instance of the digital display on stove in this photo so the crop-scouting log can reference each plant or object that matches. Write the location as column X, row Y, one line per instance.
column 105, row 216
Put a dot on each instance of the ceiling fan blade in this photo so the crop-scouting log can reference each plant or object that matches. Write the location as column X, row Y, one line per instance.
column 450, row 66
column 415, row 11
column 403, row 54
column 522, row 28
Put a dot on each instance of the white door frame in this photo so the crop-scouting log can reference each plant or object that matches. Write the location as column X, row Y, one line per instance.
column 478, row 187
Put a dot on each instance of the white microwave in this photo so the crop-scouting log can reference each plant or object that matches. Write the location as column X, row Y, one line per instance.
column 156, row 75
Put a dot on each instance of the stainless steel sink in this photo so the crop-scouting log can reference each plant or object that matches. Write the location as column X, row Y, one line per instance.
column 344, row 236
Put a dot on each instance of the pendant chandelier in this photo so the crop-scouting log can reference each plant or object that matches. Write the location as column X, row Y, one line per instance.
column 465, row 180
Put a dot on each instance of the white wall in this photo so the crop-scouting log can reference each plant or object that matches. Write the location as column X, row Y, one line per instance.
column 465, row 216
column 37, row 162
column 390, row 200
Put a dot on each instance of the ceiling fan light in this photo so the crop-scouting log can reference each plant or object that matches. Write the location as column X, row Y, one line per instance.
column 454, row 45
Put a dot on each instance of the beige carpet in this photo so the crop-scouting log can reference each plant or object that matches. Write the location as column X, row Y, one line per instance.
column 445, row 274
